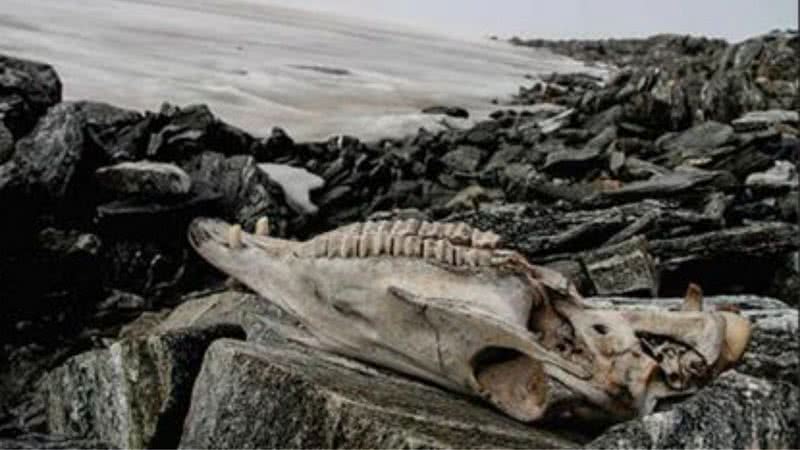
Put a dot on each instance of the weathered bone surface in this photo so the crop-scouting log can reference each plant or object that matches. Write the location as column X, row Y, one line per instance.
column 446, row 303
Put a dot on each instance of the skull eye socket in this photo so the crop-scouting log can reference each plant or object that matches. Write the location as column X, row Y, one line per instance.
column 600, row 329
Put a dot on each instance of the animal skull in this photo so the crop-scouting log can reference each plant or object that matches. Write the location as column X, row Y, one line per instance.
column 445, row 303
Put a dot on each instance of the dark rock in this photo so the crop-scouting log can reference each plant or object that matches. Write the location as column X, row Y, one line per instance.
column 145, row 178
column 27, row 90
column 118, row 134
column 464, row 159
column 758, row 120
column 6, row 144
column 782, row 175
column 670, row 184
column 277, row 144
column 695, row 142
column 246, row 192
column 133, row 394
column 48, row 158
column 452, row 111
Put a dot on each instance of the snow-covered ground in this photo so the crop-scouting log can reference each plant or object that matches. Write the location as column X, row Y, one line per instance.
column 258, row 65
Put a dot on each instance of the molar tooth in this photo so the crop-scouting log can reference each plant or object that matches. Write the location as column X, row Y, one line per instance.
column 386, row 244
column 428, row 251
column 427, row 229
column 461, row 234
column 334, row 245
column 370, row 227
column 235, row 236
column 406, row 227
column 349, row 246
column 470, row 256
column 397, row 245
column 448, row 253
column 374, row 244
column 364, row 245
column 384, row 226
column 411, row 246
column 262, row 227
column 486, row 239
column 438, row 250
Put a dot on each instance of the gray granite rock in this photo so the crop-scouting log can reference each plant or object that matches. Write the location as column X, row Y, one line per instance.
column 133, row 394
column 145, row 178
column 27, row 89
column 281, row 396
column 465, row 158
column 735, row 411
column 782, row 175
column 757, row 120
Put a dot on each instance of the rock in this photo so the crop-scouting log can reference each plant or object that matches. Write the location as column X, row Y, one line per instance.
column 145, row 178
column 626, row 268
column 758, row 120
column 695, row 142
column 464, row 159
column 297, row 184
column 452, row 111
column 505, row 155
column 782, row 175
column 283, row 396
column 735, row 411
column 48, row 158
column 119, row 134
column 51, row 442
column 27, row 90
column 133, row 394
column 246, row 192
column 670, row 184
column 574, row 162
column 471, row 197
column 277, row 144
column 6, row 144
column 555, row 123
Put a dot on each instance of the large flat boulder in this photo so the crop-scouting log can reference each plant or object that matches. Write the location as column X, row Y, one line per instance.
column 281, row 396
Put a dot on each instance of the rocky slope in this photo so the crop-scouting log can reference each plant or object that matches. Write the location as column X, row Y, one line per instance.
column 680, row 168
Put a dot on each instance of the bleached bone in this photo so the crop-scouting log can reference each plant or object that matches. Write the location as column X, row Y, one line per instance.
column 446, row 303
column 693, row 300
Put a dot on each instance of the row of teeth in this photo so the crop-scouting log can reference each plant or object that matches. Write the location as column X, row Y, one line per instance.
column 235, row 232
column 365, row 245
column 455, row 233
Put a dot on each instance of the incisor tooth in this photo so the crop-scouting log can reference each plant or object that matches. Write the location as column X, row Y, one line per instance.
column 235, row 236
column 262, row 227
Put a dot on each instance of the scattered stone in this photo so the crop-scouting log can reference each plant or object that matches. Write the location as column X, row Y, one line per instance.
column 782, row 175
column 145, row 178
column 758, row 120
column 297, row 185
column 626, row 268
column 464, row 159
column 452, row 111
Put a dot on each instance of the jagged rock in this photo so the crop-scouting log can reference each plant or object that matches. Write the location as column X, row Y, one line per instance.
column 624, row 268
column 277, row 144
column 297, row 184
column 464, row 159
column 452, row 111
column 27, row 90
column 555, row 123
column 6, row 144
column 757, row 120
column 145, row 178
column 280, row 395
column 246, row 192
column 119, row 134
column 782, row 175
column 659, row 186
column 183, row 132
column 47, row 159
column 735, row 411
column 133, row 394
column 695, row 142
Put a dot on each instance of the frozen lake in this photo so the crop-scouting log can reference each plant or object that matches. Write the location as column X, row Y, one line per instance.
column 259, row 66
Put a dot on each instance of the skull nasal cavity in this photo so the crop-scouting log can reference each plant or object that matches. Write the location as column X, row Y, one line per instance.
column 600, row 329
